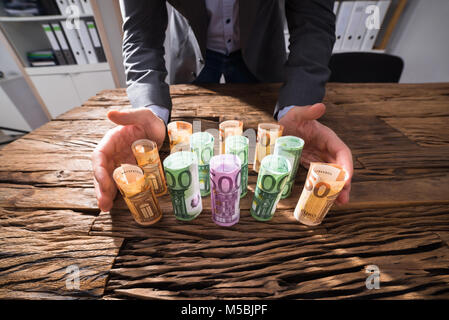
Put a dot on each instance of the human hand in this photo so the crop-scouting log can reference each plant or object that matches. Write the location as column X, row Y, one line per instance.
column 321, row 143
column 114, row 148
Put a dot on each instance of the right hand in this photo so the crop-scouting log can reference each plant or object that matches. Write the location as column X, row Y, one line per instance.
column 115, row 148
column 321, row 143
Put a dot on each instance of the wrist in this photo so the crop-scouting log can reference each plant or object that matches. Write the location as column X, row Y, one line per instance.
column 160, row 112
column 284, row 111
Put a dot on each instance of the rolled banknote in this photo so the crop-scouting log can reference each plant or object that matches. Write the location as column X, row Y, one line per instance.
column 229, row 128
column 291, row 148
column 202, row 144
column 181, row 174
column 179, row 133
column 323, row 185
column 267, row 134
column 225, row 195
column 147, row 156
column 239, row 145
column 273, row 175
column 138, row 194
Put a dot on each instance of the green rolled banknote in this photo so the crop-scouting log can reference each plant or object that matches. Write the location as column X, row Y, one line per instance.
column 239, row 146
column 202, row 144
column 181, row 174
column 289, row 147
column 273, row 175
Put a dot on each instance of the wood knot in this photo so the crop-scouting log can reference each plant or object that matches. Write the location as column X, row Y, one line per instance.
column 60, row 174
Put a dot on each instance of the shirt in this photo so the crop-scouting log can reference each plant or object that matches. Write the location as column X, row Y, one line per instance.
column 223, row 32
column 223, row 36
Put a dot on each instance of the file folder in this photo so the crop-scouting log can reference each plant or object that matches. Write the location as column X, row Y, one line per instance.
column 59, row 55
column 62, row 41
column 75, row 44
column 344, row 13
column 87, row 8
column 361, row 29
column 371, row 35
column 336, row 5
column 87, row 44
column 91, row 27
column 358, row 11
column 63, row 5
column 76, row 3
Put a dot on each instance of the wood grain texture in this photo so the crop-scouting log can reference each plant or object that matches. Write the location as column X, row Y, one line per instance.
column 34, row 264
column 423, row 130
column 25, row 196
column 398, row 216
column 317, row 266
column 60, row 221
column 61, row 178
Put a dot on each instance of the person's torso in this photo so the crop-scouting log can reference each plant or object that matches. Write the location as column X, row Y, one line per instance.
column 223, row 30
column 259, row 34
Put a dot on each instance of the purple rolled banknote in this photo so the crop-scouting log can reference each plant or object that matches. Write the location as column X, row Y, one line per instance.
column 225, row 170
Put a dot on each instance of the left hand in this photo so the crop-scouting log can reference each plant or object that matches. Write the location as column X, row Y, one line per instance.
column 321, row 143
column 115, row 148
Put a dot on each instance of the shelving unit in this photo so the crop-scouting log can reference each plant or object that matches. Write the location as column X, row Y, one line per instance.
column 39, row 18
column 388, row 20
column 16, row 120
column 62, row 87
column 74, row 68
column 393, row 14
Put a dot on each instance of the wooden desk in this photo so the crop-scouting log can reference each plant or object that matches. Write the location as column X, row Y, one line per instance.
column 398, row 217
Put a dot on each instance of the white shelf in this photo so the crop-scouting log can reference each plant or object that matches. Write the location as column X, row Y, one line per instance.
column 372, row 51
column 39, row 18
column 9, row 78
column 34, row 71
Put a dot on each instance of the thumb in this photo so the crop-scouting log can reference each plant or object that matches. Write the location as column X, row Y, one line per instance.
column 128, row 116
column 313, row 112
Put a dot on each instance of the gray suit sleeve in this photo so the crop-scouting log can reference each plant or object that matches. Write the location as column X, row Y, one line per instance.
column 311, row 24
column 144, row 25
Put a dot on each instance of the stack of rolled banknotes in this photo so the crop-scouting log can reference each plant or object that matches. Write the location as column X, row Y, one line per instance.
column 192, row 171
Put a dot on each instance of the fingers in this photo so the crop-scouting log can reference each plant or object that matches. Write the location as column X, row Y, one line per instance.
column 105, row 189
column 313, row 112
column 339, row 153
column 143, row 119
column 343, row 197
column 128, row 117
column 344, row 158
column 105, row 201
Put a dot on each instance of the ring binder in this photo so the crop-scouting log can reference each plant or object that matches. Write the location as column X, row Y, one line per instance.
column 63, row 43
column 59, row 55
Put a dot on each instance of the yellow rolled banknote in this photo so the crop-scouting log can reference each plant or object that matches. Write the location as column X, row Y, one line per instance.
column 179, row 133
column 267, row 134
column 229, row 128
column 147, row 156
column 138, row 194
column 323, row 185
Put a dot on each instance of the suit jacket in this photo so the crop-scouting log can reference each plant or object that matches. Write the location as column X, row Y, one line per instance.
column 304, row 72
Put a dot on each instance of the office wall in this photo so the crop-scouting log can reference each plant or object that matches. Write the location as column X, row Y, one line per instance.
column 421, row 38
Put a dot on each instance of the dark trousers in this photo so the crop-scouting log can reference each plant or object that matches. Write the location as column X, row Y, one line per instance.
column 232, row 67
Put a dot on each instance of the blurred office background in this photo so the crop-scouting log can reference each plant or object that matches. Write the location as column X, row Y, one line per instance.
column 37, row 84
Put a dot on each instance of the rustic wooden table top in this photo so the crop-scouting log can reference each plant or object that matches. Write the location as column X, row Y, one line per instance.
column 398, row 217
